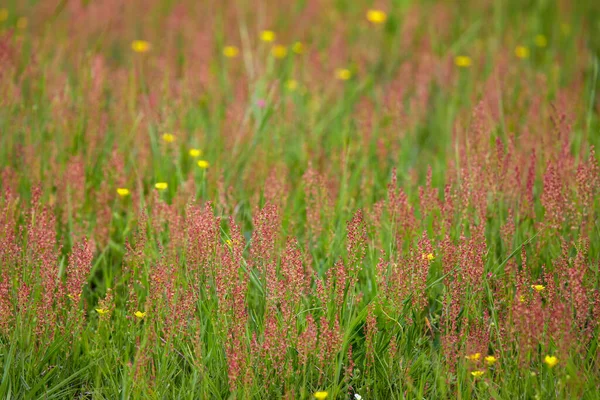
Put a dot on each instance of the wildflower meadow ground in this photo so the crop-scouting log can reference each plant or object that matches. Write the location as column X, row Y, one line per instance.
column 308, row 199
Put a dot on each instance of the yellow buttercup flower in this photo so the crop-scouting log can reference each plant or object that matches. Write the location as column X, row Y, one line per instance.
column 279, row 51
column 195, row 153
column 291, row 85
column 540, row 41
column 343, row 74
column 521, row 52
column 102, row 311
column 168, row 138
column 231, row 51
column 463, row 61
column 477, row 374
column 474, row 357
column 203, row 164
column 22, row 23
column 490, row 360
column 140, row 314
column 3, row 14
column 376, row 16
column 161, row 185
column 428, row 257
column 522, row 299
column 321, row 395
column 229, row 242
column 267, row 36
column 298, row 48
column 538, row 288
column 551, row 361
column 123, row 192
column 140, row 46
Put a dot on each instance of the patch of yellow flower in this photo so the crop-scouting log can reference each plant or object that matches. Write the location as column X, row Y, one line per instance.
column 377, row 17
column 267, row 36
column 321, row 395
column 168, row 138
column 522, row 299
column 291, row 85
column 298, row 48
column 343, row 74
column 477, row 374
column 551, row 361
column 473, row 357
column 102, row 311
column 231, row 51
column 279, row 51
column 463, row 61
column 490, row 360
column 428, row 257
column 161, row 185
column 195, row 153
column 538, row 288
column 123, row 192
column 521, row 52
column 203, row 164
column 140, row 314
column 140, row 46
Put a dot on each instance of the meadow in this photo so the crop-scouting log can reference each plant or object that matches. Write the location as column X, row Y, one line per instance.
column 308, row 199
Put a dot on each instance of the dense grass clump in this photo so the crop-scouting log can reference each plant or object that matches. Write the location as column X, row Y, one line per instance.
column 309, row 199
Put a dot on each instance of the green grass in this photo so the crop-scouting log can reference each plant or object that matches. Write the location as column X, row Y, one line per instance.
column 297, row 179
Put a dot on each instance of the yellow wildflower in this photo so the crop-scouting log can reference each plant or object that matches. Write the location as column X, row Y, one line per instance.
column 477, row 374
column 229, row 242
column 463, row 61
column 540, row 41
column 522, row 299
column 140, row 46
column 490, row 360
column 3, row 14
column 291, row 85
column 102, row 311
column 521, row 52
column 203, row 164
column 195, row 153
column 140, row 314
column 123, row 192
column 376, row 16
column 168, row 138
column 321, row 395
column 22, row 23
column 428, row 257
column 343, row 74
column 474, row 357
column 231, row 51
column 298, row 48
column 538, row 288
column 279, row 51
column 551, row 361
column 161, row 185
column 267, row 36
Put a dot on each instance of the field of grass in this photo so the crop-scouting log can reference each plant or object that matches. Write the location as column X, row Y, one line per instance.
column 340, row 199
